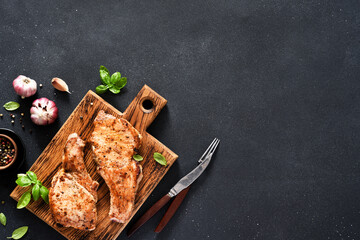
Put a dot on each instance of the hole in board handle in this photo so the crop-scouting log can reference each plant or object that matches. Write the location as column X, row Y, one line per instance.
column 147, row 105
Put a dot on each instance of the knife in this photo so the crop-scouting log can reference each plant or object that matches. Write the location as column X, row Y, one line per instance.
column 179, row 191
column 172, row 209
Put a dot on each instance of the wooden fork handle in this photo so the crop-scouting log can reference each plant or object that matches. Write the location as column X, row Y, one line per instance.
column 148, row 214
column 172, row 209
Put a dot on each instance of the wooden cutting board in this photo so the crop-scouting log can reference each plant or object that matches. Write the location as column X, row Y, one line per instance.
column 49, row 161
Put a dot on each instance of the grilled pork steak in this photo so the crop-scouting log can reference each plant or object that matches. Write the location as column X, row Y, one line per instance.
column 72, row 195
column 114, row 142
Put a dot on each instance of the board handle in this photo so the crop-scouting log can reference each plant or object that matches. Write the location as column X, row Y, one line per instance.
column 144, row 108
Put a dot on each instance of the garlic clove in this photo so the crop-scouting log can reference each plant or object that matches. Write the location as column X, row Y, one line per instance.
column 24, row 86
column 60, row 85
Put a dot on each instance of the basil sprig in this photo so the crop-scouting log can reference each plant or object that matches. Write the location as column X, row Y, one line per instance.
column 3, row 219
column 44, row 193
column 113, row 83
column 24, row 200
column 157, row 156
column 19, row 233
column 11, row 106
column 138, row 157
column 36, row 190
column 160, row 158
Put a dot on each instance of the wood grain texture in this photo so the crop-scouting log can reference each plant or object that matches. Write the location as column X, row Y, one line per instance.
column 49, row 161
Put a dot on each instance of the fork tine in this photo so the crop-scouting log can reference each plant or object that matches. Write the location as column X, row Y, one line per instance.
column 215, row 146
column 206, row 152
column 210, row 153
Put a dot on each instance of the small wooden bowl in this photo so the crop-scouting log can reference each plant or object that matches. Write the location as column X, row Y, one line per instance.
column 16, row 151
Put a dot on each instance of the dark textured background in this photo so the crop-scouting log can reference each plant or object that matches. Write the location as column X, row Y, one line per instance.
column 276, row 81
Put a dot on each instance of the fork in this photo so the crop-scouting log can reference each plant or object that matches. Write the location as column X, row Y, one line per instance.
column 180, row 190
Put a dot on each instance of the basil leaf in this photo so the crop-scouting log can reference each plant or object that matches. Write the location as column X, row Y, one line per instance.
column 3, row 219
column 21, row 175
column 115, row 77
column 104, row 75
column 11, row 106
column 138, row 157
column 103, row 68
column 24, row 200
column 32, row 176
column 114, row 90
column 160, row 158
column 23, row 181
column 101, row 89
column 121, row 83
column 19, row 233
column 36, row 192
column 44, row 192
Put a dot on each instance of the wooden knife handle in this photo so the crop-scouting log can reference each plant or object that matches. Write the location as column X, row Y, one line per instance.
column 148, row 214
column 172, row 209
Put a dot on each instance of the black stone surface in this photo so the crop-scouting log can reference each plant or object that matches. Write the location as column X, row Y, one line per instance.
column 276, row 81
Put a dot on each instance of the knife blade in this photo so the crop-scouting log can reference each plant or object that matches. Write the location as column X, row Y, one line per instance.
column 189, row 178
column 178, row 187
column 182, row 187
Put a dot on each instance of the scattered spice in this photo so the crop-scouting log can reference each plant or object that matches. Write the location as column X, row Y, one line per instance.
column 40, row 85
column 7, row 151
column 22, row 114
column 1, row 115
column 23, row 126
column 13, row 116
column 3, row 202
column 91, row 103
column 12, row 121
